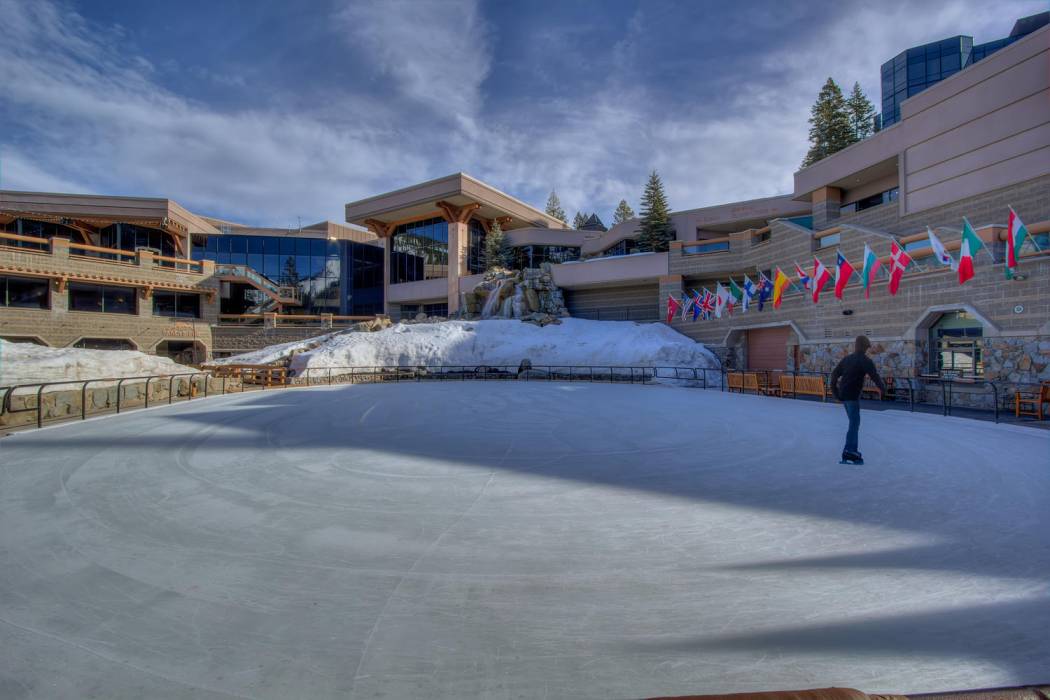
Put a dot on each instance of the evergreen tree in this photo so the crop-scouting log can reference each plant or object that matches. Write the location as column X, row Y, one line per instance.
column 554, row 208
column 579, row 220
column 623, row 213
column 498, row 252
column 829, row 121
column 656, row 232
column 861, row 114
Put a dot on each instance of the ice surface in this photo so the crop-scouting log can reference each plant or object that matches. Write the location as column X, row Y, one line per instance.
column 505, row 540
column 498, row 342
column 23, row 363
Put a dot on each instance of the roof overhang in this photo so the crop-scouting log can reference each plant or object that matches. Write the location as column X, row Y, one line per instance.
column 445, row 197
column 97, row 210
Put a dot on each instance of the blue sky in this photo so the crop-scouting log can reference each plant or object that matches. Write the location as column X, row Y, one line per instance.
column 264, row 111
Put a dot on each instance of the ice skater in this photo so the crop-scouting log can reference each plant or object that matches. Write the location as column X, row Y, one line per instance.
column 847, row 382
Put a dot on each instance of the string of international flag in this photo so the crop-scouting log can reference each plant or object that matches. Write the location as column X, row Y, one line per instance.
column 726, row 299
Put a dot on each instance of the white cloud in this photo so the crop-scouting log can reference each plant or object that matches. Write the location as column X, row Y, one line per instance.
column 87, row 117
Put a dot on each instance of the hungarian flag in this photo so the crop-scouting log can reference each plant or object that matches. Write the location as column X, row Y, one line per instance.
column 899, row 261
column 1015, row 235
column 942, row 255
column 971, row 243
column 871, row 266
column 736, row 294
column 780, row 280
column 843, row 271
column 672, row 308
column 820, row 278
column 802, row 276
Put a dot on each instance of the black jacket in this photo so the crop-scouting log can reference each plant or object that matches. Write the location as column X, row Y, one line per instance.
column 847, row 380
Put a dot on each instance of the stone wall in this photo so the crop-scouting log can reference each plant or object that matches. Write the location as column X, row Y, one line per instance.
column 61, row 403
column 237, row 339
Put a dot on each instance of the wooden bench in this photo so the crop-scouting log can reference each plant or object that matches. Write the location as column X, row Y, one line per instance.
column 794, row 385
column 1030, row 403
column 751, row 382
column 870, row 391
column 735, row 380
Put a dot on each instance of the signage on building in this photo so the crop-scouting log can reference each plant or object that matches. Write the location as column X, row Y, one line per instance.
column 180, row 330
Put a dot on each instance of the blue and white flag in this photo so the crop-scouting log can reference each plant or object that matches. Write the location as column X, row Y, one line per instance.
column 749, row 292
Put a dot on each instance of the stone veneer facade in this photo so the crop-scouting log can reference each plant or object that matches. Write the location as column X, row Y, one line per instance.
column 1015, row 314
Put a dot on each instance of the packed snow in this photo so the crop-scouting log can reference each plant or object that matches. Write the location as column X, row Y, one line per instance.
column 25, row 363
column 512, row 539
column 575, row 342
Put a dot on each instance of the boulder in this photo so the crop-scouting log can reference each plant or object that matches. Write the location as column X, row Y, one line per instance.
column 532, row 299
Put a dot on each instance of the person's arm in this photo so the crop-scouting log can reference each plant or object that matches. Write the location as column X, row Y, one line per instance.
column 834, row 381
column 874, row 374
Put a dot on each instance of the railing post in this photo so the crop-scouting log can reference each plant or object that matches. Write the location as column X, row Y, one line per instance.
column 83, row 400
column 171, row 381
column 40, row 406
column 329, row 376
column 148, row 379
column 120, row 383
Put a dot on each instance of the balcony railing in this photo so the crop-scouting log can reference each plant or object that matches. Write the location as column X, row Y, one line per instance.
column 714, row 245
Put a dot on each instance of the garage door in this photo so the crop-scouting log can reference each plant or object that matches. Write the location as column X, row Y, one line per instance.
column 767, row 348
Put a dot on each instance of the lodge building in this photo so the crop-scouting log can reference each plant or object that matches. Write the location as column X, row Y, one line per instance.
column 146, row 273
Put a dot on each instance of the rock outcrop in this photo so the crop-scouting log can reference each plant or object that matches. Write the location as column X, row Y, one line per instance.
column 529, row 295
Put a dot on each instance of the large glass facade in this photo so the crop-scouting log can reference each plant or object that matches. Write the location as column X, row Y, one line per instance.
column 535, row 255
column 333, row 276
column 419, row 251
column 627, row 246
column 130, row 237
column 874, row 200
column 476, row 247
column 914, row 70
column 37, row 229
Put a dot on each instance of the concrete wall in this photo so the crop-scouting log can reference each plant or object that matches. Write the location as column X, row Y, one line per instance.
column 620, row 270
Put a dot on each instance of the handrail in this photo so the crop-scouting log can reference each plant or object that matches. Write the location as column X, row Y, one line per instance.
column 100, row 249
column 188, row 262
column 19, row 237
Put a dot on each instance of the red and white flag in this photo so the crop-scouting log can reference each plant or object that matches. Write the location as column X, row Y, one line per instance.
column 820, row 278
column 672, row 308
column 899, row 261
column 843, row 271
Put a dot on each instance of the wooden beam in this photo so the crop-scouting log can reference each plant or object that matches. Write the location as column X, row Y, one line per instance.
column 380, row 228
column 457, row 215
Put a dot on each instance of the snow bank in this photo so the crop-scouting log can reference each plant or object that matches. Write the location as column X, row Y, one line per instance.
column 496, row 342
column 24, row 363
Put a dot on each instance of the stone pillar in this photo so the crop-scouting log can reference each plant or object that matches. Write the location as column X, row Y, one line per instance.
column 670, row 285
column 59, row 292
column 826, row 204
column 60, row 247
column 458, row 240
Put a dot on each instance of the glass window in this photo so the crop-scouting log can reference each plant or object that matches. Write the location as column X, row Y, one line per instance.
column 956, row 345
column 419, row 251
column 85, row 297
column 272, row 266
column 188, row 305
column 238, row 244
column 118, row 300
column 829, row 241
column 256, row 244
column 951, row 62
column 163, row 303
column 317, row 246
column 256, row 262
column 286, row 246
column 25, row 293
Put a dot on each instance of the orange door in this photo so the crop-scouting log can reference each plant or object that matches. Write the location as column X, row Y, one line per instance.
column 767, row 348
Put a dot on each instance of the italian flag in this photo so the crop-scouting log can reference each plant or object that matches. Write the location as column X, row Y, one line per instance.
column 871, row 266
column 1015, row 234
column 971, row 243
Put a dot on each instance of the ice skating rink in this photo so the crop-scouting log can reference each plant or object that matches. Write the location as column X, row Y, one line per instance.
column 488, row 540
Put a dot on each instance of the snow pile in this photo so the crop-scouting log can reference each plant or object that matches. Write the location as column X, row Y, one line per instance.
column 25, row 363
column 495, row 342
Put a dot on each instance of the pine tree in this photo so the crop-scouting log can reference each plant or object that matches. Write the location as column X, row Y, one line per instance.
column 498, row 252
column 861, row 114
column 579, row 220
column 829, row 121
column 554, row 208
column 623, row 213
column 656, row 232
